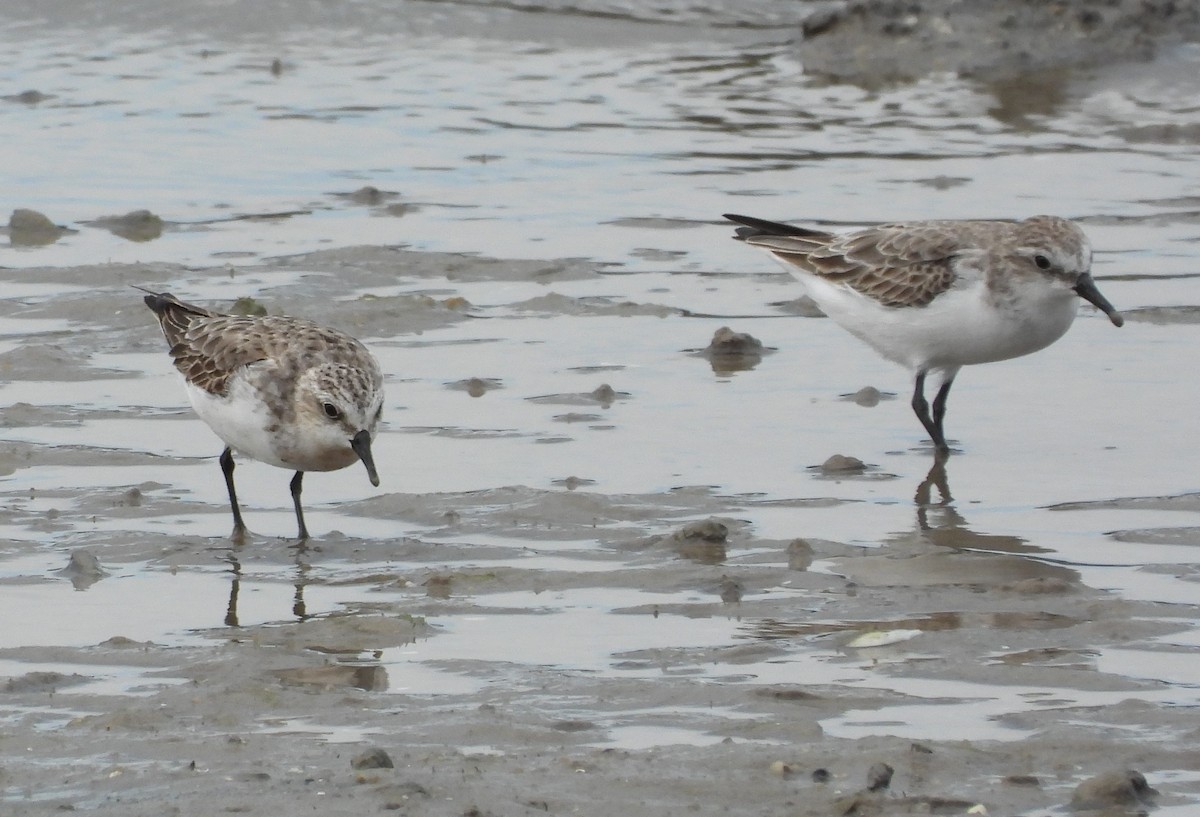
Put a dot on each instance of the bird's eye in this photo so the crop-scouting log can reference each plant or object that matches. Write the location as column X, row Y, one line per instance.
column 331, row 411
column 1042, row 261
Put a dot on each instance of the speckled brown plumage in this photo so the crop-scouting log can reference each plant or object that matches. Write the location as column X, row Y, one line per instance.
column 285, row 391
column 891, row 263
column 209, row 347
column 935, row 296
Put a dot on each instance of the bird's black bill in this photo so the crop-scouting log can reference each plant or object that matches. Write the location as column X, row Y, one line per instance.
column 361, row 443
column 1085, row 288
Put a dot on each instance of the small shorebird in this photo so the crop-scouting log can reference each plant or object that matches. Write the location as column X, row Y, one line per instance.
column 284, row 391
column 935, row 296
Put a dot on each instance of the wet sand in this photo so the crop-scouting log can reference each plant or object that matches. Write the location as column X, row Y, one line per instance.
column 651, row 537
column 759, row 686
column 878, row 41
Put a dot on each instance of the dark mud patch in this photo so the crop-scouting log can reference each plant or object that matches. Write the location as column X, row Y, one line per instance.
column 880, row 41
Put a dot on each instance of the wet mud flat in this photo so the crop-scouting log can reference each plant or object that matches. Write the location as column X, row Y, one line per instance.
column 880, row 41
column 650, row 538
column 512, row 636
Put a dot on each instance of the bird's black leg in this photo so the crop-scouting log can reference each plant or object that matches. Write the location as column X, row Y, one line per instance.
column 933, row 425
column 939, row 413
column 239, row 527
column 295, row 486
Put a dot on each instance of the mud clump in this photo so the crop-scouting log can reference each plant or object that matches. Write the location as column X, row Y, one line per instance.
column 375, row 758
column 730, row 351
column 476, row 386
column 30, row 97
column 29, row 228
column 867, row 397
column 702, row 542
column 879, row 41
column 137, row 225
column 368, row 195
column 249, row 307
column 335, row 676
column 83, row 569
column 799, row 555
column 1113, row 791
column 841, row 464
column 879, row 777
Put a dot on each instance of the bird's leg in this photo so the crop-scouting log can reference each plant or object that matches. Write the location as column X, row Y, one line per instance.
column 295, row 486
column 921, row 407
column 939, row 412
column 239, row 527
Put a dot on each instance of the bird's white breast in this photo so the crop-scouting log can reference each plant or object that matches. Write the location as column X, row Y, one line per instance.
column 962, row 326
column 241, row 419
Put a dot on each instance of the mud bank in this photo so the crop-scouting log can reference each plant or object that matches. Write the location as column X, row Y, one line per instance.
column 880, row 41
column 542, row 641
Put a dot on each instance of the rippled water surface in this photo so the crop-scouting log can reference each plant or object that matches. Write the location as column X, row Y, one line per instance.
column 616, row 139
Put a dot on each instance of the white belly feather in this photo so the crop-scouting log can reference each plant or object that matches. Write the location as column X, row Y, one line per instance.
column 241, row 419
column 958, row 328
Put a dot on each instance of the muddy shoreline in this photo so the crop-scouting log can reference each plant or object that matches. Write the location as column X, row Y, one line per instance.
column 881, row 41
column 611, row 567
column 261, row 711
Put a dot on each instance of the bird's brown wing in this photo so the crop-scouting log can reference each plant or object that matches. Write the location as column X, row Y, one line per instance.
column 895, row 264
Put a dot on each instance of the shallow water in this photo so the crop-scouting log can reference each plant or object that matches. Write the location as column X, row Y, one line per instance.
column 512, row 135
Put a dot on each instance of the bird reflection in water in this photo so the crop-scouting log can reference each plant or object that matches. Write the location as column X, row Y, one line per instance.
column 303, row 568
column 939, row 521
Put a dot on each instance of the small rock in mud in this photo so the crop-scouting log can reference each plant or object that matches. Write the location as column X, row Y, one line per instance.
column 368, row 195
column 42, row 682
column 83, row 569
column 332, row 676
column 1021, row 780
column 708, row 530
column 372, row 759
column 785, row 770
column 857, row 804
column 879, row 777
column 1113, row 790
column 867, row 397
column 248, row 306
column 577, row 417
column 799, row 555
column 788, row 695
column 29, row 228
column 120, row 642
column 731, row 589
column 399, row 797
column 138, row 225
column 571, row 483
column 438, row 587
column 727, row 342
column 604, row 394
column 841, row 464
column 475, row 386
column 803, row 307
column 731, row 352
column 573, row 725
column 1040, row 585
column 702, row 542
column 30, row 97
